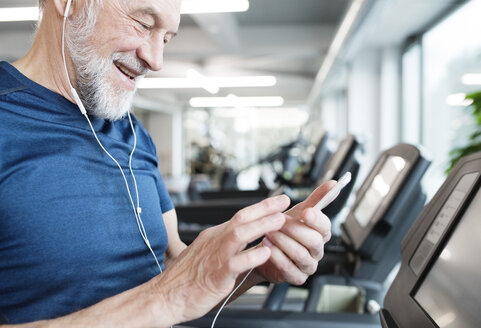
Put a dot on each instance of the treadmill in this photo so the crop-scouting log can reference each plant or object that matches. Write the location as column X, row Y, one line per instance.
column 345, row 158
column 197, row 215
column 439, row 282
column 314, row 169
column 386, row 205
column 316, row 166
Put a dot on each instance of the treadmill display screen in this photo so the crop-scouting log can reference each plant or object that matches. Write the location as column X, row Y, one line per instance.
column 450, row 292
column 379, row 189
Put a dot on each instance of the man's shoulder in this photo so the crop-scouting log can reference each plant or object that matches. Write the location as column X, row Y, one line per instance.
column 8, row 83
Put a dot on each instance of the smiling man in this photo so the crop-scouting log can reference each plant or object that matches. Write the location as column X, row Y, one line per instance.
column 74, row 249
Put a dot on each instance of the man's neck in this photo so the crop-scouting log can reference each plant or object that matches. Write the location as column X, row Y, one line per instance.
column 43, row 63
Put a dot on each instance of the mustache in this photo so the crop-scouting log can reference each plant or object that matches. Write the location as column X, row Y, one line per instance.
column 130, row 62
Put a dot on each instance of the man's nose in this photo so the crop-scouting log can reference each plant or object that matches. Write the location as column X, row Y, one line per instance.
column 152, row 53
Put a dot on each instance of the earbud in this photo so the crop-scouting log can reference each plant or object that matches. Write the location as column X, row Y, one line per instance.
column 78, row 101
column 67, row 8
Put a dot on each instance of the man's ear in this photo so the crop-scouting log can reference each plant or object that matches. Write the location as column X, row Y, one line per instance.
column 60, row 6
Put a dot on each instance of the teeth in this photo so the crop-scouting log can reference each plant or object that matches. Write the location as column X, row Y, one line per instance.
column 125, row 71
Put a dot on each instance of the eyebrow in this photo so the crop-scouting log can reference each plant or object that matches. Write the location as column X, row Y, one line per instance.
column 150, row 11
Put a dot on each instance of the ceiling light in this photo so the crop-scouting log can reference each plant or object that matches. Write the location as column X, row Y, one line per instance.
column 233, row 101
column 208, row 85
column 16, row 14
column 221, row 82
column 19, row 14
column 471, row 79
column 458, row 99
column 338, row 42
column 213, row 6
column 340, row 38
column 245, row 81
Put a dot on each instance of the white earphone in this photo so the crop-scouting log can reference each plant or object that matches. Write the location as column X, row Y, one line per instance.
column 137, row 209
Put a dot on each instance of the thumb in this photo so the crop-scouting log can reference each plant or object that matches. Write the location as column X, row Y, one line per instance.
column 317, row 194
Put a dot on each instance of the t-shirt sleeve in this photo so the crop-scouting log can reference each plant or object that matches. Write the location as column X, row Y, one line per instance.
column 165, row 201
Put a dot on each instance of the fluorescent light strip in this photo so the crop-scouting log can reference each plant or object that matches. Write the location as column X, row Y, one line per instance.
column 17, row 14
column 208, row 85
column 335, row 47
column 213, row 6
column 233, row 101
column 221, row 82
column 339, row 38
column 471, row 79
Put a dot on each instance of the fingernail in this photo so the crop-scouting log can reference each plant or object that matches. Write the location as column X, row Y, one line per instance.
column 266, row 242
column 280, row 199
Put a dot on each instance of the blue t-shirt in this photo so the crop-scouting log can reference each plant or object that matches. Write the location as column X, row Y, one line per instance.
column 68, row 235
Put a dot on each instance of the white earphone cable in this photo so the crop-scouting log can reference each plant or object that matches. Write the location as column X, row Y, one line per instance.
column 137, row 209
column 228, row 297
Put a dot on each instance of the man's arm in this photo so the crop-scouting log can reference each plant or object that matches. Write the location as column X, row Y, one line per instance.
column 296, row 248
column 137, row 307
column 201, row 276
column 176, row 245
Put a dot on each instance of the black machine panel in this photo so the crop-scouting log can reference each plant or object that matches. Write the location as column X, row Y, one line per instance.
column 338, row 160
column 319, row 159
column 343, row 160
column 443, row 219
column 439, row 282
column 394, row 170
column 444, row 294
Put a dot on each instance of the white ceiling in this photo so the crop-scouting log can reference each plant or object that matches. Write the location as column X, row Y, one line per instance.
column 284, row 38
column 385, row 24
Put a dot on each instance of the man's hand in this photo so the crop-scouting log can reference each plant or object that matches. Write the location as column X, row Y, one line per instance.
column 297, row 248
column 206, row 272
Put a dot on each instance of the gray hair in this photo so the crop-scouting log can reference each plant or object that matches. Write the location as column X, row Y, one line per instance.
column 41, row 3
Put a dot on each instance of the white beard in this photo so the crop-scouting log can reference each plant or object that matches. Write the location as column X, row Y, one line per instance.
column 99, row 95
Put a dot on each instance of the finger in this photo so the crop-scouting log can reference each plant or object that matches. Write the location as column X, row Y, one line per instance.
column 317, row 194
column 318, row 221
column 242, row 234
column 296, row 252
column 288, row 271
column 249, row 259
column 266, row 207
column 308, row 237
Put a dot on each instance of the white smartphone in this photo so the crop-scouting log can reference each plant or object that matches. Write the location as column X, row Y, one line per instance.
column 332, row 194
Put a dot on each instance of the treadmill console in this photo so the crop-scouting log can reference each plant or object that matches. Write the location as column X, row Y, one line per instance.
column 385, row 197
column 338, row 159
column 439, row 283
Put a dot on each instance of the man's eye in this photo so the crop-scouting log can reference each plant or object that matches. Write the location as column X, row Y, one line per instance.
column 144, row 25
